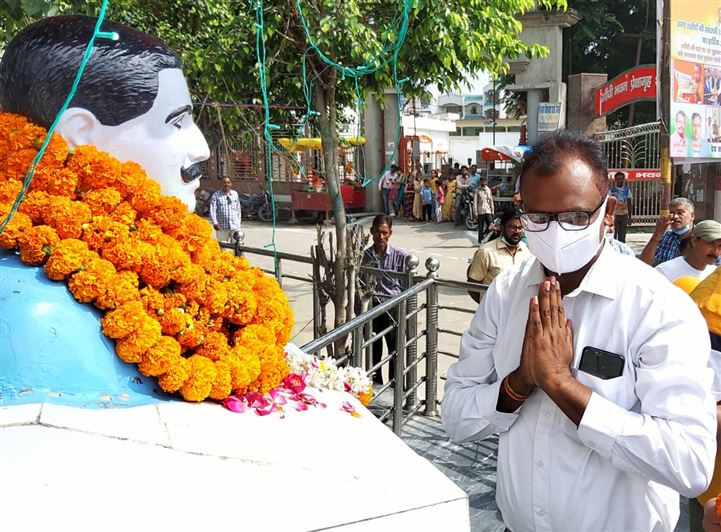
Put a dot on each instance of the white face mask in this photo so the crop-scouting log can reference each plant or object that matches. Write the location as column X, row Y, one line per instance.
column 562, row 251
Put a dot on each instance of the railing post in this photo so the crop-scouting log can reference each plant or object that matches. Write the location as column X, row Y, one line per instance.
column 398, row 388
column 411, row 331
column 432, row 265
column 357, row 339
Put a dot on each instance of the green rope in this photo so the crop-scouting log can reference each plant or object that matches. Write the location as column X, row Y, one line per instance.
column 38, row 157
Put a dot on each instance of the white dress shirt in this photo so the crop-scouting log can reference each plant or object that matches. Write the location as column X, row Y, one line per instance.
column 644, row 435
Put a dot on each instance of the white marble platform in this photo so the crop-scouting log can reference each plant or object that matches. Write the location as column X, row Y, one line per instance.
column 179, row 466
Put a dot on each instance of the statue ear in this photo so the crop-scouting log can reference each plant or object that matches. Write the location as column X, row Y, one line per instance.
column 78, row 126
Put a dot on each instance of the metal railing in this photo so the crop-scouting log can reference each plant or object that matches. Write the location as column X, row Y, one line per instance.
column 419, row 349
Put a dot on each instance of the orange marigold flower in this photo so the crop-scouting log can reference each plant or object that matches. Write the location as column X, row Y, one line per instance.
column 68, row 256
column 174, row 320
column 160, row 358
column 177, row 375
column 222, row 386
column 168, row 212
column 241, row 307
column 92, row 281
column 215, row 297
column 146, row 198
column 34, row 204
column 102, row 232
column 132, row 177
column 123, row 288
column 215, row 346
column 55, row 181
column 124, row 320
column 205, row 254
column 126, row 253
column 19, row 223
column 56, row 152
column 255, row 334
column 36, row 244
column 153, row 301
column 124, row 214
column 66, row 216
column 202, row 377
column 102, row 200
column 10, row 190
column 192, row 336
column 132, row 347
column 95, row 169
column 193, row 232
column 147, row 231
column 18, row 162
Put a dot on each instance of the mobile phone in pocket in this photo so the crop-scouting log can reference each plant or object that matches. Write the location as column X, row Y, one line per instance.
column 602, row 364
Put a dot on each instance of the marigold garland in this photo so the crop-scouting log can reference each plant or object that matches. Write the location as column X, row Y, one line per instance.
column 201, row 321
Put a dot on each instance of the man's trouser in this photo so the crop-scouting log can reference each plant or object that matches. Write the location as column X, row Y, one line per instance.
column 382, row 322
column 620, row 222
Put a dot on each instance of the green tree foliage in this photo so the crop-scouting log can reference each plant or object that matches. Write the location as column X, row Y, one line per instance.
column 606, row 40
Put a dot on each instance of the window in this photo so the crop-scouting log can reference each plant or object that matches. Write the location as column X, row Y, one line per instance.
column 474, row 109
column 513, row 129
column 471, row 131
column 457, row 133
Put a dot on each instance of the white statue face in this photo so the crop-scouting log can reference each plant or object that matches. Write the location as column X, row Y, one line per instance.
column 163, row 141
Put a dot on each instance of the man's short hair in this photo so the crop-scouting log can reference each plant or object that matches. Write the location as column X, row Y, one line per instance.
column 382, row 219
column 619, row 174
column 545, row 156
column 120, row 81
column 510, row 214
column 682, row 202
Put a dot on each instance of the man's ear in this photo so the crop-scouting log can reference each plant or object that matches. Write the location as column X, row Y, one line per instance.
column 78, row 127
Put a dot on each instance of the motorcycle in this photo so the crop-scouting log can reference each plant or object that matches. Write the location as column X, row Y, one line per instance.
column 256, row 205
column 468, row 210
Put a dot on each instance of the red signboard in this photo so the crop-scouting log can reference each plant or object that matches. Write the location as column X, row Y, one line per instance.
column 637, row 174
column 634, row 85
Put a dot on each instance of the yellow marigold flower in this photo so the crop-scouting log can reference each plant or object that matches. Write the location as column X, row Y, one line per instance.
column 179, row 372
column 215, row 346
column 124, row 320
column 68, row 256
column 36, row 244
column 153, row 301
column 193, row 232
column 222, row 386
column 160, row 358
column 132, row 347
column 205, row 254
column 200, row 382
column 256, row 333
column 244, row 366
column 102, row 200
column 92, row 281
column 123, row 288
column 14, row 230
column 66, row 216
column 215, row 297
column 273, row 369
column 366, row 396
column 195, row 285
column 34, row 204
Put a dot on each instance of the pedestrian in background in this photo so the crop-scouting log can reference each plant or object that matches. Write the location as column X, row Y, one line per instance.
column 417, row 199
column 624, row 206
column 386, row 183
column 485, row 210
column 450, row 199
column 670, row 230
column 440, row 200
column 225, row 212
column 427, row 198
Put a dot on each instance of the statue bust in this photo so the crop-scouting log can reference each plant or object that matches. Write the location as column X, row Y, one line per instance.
column 132, row 102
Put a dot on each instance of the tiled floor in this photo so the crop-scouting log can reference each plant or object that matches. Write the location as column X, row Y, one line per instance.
column 472, row 467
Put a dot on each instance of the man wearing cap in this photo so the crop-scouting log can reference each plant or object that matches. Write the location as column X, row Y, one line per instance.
column 699, row 256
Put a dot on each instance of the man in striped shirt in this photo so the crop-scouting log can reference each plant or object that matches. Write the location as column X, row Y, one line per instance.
column 225, row 212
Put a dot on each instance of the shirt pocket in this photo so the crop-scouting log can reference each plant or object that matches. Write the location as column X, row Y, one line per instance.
column 619, row 390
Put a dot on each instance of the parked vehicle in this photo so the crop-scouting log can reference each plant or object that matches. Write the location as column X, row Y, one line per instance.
column 468, row 210
column 256, row 205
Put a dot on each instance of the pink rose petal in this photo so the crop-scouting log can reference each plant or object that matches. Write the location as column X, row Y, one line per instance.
column 235, row 404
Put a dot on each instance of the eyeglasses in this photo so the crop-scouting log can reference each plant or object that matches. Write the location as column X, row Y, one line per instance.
column 535, row 222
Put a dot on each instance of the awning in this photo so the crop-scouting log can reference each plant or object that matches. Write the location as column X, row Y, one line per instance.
column 315, row 143
column 502, row 152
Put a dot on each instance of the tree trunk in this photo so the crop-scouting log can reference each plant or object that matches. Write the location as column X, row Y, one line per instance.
column 324, row 97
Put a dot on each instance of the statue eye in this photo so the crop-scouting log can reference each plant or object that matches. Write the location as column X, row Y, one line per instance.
column 178, row 122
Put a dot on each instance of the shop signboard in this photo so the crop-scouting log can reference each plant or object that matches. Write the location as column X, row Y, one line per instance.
column 634, row 85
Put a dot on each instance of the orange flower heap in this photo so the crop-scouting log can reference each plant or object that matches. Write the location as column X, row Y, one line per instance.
column 203, row 322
